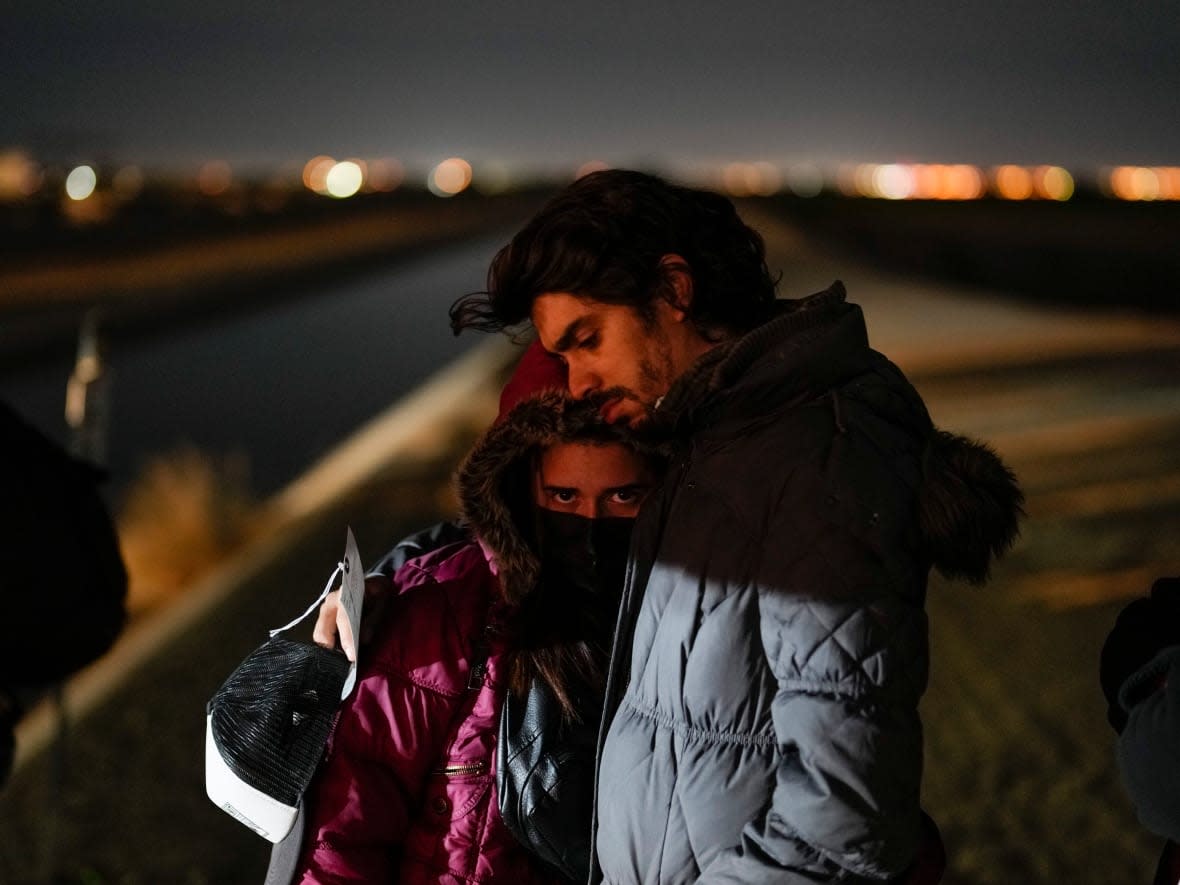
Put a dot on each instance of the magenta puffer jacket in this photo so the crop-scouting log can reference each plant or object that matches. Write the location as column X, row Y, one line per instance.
column 406, row 792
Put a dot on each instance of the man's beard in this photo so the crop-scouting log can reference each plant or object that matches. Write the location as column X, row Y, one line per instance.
column 603, row 398
column 656, row 374
column 655, row 383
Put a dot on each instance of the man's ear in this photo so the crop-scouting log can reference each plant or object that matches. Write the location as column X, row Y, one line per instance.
column 678, row 285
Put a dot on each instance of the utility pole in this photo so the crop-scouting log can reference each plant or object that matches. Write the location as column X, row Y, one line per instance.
column 88, row 394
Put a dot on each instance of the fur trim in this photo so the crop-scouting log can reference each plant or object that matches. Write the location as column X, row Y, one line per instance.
column 970, row 506
column 539, row 421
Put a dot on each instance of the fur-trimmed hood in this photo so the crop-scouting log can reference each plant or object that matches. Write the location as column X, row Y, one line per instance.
column 970, row 506
column 494, row 481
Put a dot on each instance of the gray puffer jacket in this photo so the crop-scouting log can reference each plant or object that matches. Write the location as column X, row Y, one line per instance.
column 762, row 710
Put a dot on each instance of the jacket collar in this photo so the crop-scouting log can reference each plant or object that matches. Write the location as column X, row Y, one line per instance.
column 805, row 347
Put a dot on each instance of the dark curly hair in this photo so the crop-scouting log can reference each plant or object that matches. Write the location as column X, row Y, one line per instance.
column 603, row 237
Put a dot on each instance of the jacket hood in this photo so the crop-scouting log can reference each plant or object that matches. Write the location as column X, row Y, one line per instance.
column 806, row 348
column 494, row 481
column 969, row 502
column 969, row 506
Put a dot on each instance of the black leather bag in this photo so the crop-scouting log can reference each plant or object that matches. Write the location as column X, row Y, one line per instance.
column 545, row 779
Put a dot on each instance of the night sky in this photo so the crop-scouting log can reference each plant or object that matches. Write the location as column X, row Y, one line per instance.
column 552, row 85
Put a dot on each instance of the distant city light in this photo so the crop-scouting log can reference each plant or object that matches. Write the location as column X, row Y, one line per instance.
column 1013, row 182
column 938, row 181
column 765, row 178
column 214, row 178
column 733, row 180
column 912, row 181
column 847, row 183
column 20, row 177
column 1170, row 182
column 893, row 182
column 450, row 177
column 1134, row 183
column 315, row 173
column 81, row 182
column 344, row 179
column 804, row 180
column 862, row 180
column 385, row 174
column 89, row 200
column 964, row 182
column 1145, row 183
column 759, row 179
column 931, row 181
column 1053, row 183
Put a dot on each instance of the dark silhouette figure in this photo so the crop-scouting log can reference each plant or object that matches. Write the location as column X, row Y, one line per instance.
column 1141, row 682
column 61, row 573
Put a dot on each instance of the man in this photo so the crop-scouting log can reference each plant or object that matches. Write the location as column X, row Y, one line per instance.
column 762, row 709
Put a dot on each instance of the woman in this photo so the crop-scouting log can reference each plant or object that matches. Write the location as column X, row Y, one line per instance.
column 407, row 792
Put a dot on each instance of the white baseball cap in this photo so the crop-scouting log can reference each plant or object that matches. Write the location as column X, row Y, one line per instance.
column 266, row 729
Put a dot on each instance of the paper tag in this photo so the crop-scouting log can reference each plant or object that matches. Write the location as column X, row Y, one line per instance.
column 352, row 600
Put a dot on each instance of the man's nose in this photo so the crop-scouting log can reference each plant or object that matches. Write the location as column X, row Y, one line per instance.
column 582, row 381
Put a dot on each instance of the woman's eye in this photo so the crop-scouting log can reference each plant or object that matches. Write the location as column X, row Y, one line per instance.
column 589, row 342
column 629, row 495
column 563, row 496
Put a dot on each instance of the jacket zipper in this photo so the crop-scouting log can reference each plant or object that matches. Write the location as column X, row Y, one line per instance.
column 634, row 578
column 465, row 768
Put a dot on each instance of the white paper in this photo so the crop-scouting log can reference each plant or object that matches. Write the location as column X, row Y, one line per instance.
column 352, row 600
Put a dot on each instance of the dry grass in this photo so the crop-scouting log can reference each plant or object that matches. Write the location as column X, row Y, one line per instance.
column 184, row 514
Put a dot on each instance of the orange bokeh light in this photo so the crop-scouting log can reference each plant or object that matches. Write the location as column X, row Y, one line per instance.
column 214, row 178
column 964, row 182
column 1052, row 183
column 1013, row 182
column 315, row 173
column 450, row 177
column 1169, row 177
column 1135, row 183
column 930, row 181
column 385, row 174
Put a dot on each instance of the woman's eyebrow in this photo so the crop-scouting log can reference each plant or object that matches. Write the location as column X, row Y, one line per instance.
column 627, row 487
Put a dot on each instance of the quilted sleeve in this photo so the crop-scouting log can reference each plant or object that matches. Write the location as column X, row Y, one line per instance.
column 849, row 653
column 359, row 805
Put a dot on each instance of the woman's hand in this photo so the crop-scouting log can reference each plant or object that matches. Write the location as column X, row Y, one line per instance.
column 332, row 624
column 332, row 627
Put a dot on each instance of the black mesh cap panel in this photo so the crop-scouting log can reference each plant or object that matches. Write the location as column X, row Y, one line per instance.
column 271, row 718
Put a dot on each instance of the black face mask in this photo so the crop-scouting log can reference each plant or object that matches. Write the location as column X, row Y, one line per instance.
column 583, row 561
